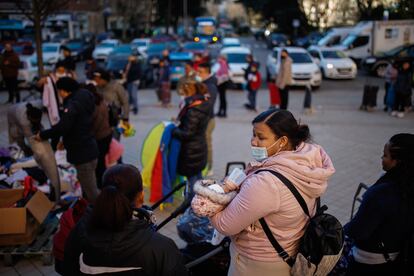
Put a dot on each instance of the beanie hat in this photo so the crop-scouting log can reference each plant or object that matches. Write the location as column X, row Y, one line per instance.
column 67, row 84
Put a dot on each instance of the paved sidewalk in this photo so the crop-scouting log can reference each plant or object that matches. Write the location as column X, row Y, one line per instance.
column 354, row 139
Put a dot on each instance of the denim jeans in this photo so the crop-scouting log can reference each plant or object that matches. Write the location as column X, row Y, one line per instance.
column 132, row 88
column 251, row 96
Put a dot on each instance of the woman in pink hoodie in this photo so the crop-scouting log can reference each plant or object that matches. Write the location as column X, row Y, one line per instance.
column 279, row 143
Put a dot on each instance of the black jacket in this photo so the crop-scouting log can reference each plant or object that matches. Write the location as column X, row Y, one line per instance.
column 403, row 82
column 380, row 218
column 192, row 134
column 137, row 245
column 75, row 126
column 211, row 84
column 134, row 72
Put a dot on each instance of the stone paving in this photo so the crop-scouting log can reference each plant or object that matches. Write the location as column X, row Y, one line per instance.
column 354, row 139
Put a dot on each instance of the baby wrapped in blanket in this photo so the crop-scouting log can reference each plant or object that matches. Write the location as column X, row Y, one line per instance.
column 212, row 197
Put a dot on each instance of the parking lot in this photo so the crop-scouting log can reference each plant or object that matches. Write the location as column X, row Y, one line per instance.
column 354, row 139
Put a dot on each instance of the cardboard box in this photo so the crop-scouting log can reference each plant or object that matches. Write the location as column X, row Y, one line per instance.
column 20, row 225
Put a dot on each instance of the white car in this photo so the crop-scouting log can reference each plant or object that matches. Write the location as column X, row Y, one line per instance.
column 51, row 53
column 141, row 44
column 236, row 58
column 103, row 49
column 230, row 42
column 334, row 63
column 304, row 70
column 27, row 71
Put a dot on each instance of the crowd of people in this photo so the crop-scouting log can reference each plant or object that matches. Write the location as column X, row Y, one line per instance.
column 115, row 235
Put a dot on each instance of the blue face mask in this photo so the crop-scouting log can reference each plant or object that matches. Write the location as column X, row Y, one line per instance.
column 260, row 153
column 198, row 78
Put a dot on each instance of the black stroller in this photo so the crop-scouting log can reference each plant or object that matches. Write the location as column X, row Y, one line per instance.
column 201, row 258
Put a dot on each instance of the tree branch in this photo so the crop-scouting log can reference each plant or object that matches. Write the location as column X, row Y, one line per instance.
column 26, row 12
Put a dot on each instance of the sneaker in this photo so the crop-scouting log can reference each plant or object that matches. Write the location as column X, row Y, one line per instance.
column 394, row 113
column 400, row 115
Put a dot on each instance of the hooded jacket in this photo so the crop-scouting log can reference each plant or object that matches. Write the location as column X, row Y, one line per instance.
column 264, row 195
column 191, row 132
column 136, row 246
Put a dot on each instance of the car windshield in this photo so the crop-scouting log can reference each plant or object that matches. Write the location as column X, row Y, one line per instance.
column 106, row 45
column 139, row 43
column 49, row 49
column 74, row 45
column 123, row 49
column 194, row 46
column 236, row 58
column 348, row 40
column 157, row 47
column 117, row 63
column 300, row 58
column 333, row 54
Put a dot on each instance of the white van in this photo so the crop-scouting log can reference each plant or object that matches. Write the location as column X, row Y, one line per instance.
column 334, row 36
column 372, row 37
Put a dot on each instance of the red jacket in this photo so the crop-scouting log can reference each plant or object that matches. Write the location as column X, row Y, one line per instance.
column 255, row 80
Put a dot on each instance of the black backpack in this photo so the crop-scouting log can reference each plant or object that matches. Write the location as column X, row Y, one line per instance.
column 321, row 245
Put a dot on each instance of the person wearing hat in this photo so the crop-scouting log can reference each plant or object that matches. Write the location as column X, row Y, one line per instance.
column 67, row 60
column 115, row 95
column 75, row 127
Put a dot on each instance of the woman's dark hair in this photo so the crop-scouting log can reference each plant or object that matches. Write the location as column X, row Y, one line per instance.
column 114, row 206
column 401, row 148
column 282, row 123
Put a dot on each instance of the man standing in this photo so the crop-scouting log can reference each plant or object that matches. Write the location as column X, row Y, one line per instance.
column 133, row 77
column 204, row 74
column 68, row 61
column 115, row 95
column 75, row 128
column 10, row 63
column 284, row 78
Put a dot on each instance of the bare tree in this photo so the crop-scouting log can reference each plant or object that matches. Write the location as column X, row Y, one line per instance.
column 37, row 11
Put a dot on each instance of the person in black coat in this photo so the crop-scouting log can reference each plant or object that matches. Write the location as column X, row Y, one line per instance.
column 133, row 76
column 193, row 120
column 403, row 90
column 385, row 219
column 75, row 128
column 117, row 237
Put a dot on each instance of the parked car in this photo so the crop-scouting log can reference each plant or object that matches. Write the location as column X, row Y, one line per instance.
column 51, row 53
column 236, row 58
column 102, row 50
column 378, row 63
column 141, row 44
column 304, row 70
column 177, row 65
column 230, row 42
column 80, row 50
column 259, row 33
column 369, row 38
column 334, row 36
column 195, row 48
column 277, row 39
column 155, row 50
column 334, row 64
column 27, row 71
column 310, row 39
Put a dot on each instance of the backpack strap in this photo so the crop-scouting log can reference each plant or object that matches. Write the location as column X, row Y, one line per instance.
column 292, row 188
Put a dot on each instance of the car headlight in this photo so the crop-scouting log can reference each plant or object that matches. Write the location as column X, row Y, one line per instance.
column 215, row 38
column 329, row 66
column 370, row 60
column 196, row 39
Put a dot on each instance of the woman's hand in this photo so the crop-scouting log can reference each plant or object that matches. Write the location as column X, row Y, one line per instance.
column 228, row 185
